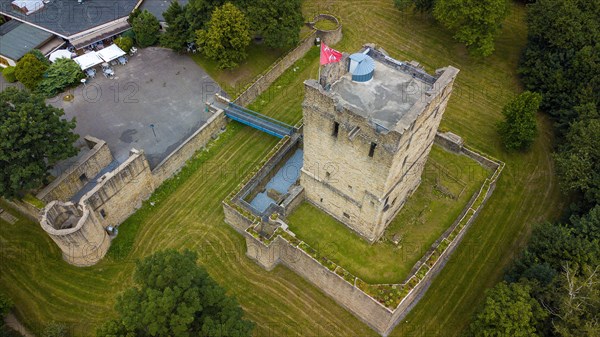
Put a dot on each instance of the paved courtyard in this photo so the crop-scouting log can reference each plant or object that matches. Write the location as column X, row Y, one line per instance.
column 154, row 103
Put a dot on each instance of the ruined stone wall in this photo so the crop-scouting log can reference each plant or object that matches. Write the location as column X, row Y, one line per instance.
column 70, row 182
column 85, row 242
column 347, row 295
column 121, row 191
column 239, row 222
column 177, row 159
column 263, row 82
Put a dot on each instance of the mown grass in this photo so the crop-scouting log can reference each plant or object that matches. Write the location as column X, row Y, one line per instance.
column 234, row 81
column 424, row 217
column 45, row 288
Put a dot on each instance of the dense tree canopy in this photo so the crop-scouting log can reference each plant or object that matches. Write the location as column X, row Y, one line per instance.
column 562, row 57
column 61, row 74
column 175, row 297
column 419, row 5
column 519, row 128
column 30, row 71
column 178, row 32
column 33, row 137
column 146, row 28
column 226, row 37
column 578, row 160
column 509, row 310
column 278, row 22
column 474, row 22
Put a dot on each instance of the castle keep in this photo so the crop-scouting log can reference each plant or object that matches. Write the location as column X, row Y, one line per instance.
column 369, row 124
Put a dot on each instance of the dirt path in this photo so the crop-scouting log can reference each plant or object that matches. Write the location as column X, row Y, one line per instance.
column 12, row 321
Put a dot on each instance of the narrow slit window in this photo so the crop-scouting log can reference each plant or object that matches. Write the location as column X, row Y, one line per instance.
column 336, row 129
column 372, row 149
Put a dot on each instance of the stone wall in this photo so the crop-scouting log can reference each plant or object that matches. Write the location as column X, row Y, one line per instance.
column 70, row 182
column 177, row 159
column 77, row 231
column 330, row 37
column 364, row 189
column 270, row 252
column 264, row 81
column 25, row 208
column 121, row 192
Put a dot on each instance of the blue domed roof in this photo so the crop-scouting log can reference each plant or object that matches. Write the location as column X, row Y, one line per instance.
column 362, row 67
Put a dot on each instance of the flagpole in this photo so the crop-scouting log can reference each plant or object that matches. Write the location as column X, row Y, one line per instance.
column 319, row 75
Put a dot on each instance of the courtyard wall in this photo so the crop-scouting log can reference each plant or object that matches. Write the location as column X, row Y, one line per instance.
column 77, row 175
column 177, row 159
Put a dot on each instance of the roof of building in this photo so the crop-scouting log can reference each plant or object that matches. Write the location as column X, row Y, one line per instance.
column 386, row 99
column 22, row 39
column 158, row 7
column 68, row 17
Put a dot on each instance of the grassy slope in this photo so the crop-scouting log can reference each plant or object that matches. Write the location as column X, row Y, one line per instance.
column 45, row 288
column 426, row 215
column 234, row 81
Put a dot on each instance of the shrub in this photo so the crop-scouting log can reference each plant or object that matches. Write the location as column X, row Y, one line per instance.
column 124, row 43
column 61, row 74
column 29, row 71
column 9, row 74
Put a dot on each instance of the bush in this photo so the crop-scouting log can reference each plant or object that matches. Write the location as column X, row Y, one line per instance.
column 29, row 71
column 61, row 74
column 9, row 74
column 124, row 43
column 519, row 128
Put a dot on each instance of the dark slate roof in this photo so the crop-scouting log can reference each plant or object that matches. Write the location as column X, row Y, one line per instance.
column 10, row 25
column 157, row 7
column 67, row 17
column 21, row 40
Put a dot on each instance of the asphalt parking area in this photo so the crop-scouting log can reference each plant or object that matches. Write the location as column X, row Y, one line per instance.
column 154, row 103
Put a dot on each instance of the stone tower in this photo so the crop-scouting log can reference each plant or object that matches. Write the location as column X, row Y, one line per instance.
column 77, row 231
column 369, row 124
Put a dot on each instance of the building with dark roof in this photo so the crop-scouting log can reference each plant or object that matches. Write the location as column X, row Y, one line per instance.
column 158, row 7
column 17, row 39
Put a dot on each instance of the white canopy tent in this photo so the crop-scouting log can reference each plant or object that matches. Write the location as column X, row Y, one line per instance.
column 88, row 60
column 111, row 52
column 61, row 53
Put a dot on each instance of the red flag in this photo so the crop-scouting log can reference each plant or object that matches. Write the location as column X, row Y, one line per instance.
column 329, row 55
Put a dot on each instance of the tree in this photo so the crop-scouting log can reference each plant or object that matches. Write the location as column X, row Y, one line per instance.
column 40, row 56
column 508, row 310
column 278, row 22
column 33, row 137
column 519, row 128
column 124, row 42
column 175, row 297
column 178, row 32
column 227, row 36
column 577, row 311
column 562, row 56
column 198, row 13
column 29, row 71
column 578, row 161
column 475, row 22
column 419, row 5
column 61, row 74
column 146, row 28
column 589, row 224
column 9, row 74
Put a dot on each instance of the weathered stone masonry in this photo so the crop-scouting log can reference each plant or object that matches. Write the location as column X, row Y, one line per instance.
column 364, row 156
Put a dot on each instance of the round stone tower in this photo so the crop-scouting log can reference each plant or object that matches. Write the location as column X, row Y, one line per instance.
column 77, row 231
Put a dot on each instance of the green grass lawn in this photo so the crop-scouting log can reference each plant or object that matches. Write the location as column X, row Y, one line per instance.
column 424, row 217
column 234, row 81
column 189, row 213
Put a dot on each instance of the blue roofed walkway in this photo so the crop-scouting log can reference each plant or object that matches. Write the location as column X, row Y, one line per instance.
column 258, row 121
